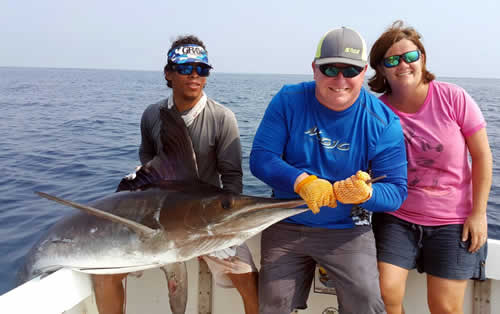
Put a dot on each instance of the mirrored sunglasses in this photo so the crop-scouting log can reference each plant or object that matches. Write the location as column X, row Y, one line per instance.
column 408, row 57
column 187, row 69
column 331, row 70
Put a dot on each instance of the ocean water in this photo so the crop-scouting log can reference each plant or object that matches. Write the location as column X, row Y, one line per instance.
column 75, row 133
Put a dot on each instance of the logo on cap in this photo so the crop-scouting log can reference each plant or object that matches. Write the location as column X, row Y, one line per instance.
column 352, row 50
column 190, row 51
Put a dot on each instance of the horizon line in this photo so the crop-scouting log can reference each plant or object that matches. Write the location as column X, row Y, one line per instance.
column 251, row 73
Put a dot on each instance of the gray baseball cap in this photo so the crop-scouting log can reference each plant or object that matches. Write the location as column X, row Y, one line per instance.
column 342, row 45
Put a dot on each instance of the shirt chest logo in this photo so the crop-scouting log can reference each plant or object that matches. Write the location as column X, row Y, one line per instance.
column 326, row 142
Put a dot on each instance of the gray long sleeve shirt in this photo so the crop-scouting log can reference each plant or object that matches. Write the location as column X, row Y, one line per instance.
column 216, row 143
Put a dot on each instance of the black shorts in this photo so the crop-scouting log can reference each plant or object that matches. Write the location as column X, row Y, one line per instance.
column 436, row 250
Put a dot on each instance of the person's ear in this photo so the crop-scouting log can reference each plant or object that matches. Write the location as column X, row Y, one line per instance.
column 168, row 75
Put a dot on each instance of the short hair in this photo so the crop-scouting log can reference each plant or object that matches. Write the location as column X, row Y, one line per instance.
column 179, row 41
column 396, row 32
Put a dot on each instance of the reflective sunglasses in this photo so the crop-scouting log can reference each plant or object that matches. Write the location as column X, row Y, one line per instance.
column 187, row 69
column 332, row 71
column 409, row 57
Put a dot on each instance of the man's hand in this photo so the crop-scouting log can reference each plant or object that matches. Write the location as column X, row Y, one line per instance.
column 224, row 253
column 316, row 192
column 354, row 190
column 132, row 175
column 136, row 180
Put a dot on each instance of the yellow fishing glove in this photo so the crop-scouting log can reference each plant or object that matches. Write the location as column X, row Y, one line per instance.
column 316, row 192
column 354, row 190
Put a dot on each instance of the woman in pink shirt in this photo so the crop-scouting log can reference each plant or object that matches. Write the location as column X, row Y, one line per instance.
column 441, row 228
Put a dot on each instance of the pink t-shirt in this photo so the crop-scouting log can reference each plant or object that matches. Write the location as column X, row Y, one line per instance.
column 439, row 172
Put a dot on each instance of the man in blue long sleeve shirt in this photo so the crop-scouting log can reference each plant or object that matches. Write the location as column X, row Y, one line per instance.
column 314, row 134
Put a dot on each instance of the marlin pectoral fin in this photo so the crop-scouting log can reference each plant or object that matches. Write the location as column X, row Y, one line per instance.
column 143, row 231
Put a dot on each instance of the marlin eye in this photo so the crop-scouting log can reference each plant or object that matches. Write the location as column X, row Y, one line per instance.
column 226, row 203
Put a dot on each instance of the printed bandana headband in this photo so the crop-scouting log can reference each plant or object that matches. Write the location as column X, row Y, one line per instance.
column 188, row 54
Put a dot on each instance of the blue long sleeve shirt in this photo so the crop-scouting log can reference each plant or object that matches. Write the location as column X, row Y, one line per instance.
column 298, row 134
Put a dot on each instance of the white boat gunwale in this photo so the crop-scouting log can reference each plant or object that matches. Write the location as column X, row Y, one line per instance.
column 70, row 292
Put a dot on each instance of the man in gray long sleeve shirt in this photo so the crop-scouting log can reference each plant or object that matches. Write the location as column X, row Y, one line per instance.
column 216, row 142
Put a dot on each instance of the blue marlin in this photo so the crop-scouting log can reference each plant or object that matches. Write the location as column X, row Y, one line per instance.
column 161, row 216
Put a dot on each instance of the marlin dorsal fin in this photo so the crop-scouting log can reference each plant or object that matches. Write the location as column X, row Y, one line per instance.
column 177, row 147
column 143, row 231
column 176, row 160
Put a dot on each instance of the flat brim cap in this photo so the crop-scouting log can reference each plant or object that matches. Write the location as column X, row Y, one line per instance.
column 188, row 54
column 342, row 45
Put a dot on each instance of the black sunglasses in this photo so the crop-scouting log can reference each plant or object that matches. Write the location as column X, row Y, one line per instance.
column 187, row 69
column 409, row 57
column 331, row 70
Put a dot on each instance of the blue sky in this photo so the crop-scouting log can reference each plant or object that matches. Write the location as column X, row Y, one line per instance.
column 460, row 36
